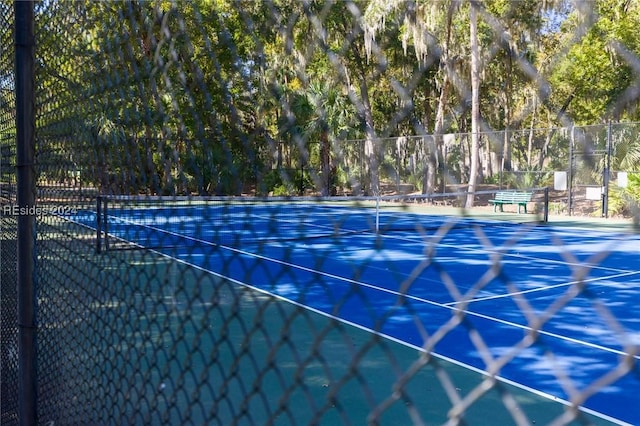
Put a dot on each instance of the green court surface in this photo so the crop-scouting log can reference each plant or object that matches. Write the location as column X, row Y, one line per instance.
column 182, row 351
column 182, row 344
column 280, row 360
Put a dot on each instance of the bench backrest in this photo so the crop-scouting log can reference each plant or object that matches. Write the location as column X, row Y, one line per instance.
column 513, row 196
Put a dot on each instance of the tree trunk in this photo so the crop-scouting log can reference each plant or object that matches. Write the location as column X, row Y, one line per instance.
column 506, row 145
column 430, row 152
column 278, row 144
column 531, row 134
column 542, row 154
column 439, row 158
column 475, row 105
column 372, row 184
column 325, row 166
column 506, row 152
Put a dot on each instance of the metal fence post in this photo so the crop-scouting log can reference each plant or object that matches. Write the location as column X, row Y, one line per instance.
column 606, row 175
column 570, row 172
column 99, row 224
column 25, row 154
column 546, row 205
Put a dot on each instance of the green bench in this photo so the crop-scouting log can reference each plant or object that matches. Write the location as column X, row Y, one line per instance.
column 511, row 197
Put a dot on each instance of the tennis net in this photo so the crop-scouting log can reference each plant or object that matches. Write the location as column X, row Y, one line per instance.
column 160, row 222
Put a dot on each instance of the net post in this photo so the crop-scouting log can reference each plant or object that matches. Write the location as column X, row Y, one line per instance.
column 545, row 208
column 99, row 224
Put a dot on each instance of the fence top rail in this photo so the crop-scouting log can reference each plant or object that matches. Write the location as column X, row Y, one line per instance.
column 526, row 131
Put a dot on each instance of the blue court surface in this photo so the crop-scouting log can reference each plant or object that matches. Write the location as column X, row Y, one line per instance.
column 551, row 309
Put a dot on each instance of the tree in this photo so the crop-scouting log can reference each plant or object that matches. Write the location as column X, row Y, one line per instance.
column 597, row 69
column 196, row 139
column 424, row 26
column 183, row 100
column 475, row 103
column 333, row 119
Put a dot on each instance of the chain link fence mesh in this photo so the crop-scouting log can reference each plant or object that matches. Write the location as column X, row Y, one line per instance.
column 215, row 119
column 8, row 225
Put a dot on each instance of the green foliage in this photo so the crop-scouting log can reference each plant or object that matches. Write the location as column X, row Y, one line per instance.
column 495, row 179
column 269, row 181
column 527, row 179
column 285, row 182
column 595, row 72
column 624, row 201
column 633, row 188
column 342, row 179
column 617, row 202
column 417, row 180
column 157, row 97
column 286, row 189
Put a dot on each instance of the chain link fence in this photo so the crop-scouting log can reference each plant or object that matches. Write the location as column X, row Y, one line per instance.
column 590, row 159
column 235, row 123
column 8, row 226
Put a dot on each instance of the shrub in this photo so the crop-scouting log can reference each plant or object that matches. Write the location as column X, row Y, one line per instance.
column 624, row 201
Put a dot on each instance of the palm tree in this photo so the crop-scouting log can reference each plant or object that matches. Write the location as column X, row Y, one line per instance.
column 333, row 119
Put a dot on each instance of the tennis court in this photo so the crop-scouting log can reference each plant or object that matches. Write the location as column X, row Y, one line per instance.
column 549, row 309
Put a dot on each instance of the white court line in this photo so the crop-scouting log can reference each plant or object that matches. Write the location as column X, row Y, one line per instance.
column 622, row 272
column 501, row 251
column 454, row 361
column 549, row 287
column 423, row 238
column 328, row 315
column 503, row 254
column 392, row 292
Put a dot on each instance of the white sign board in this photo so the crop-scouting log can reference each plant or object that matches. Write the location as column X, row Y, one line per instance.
column 622, row 179
column 594, row 193
column 560, row 181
